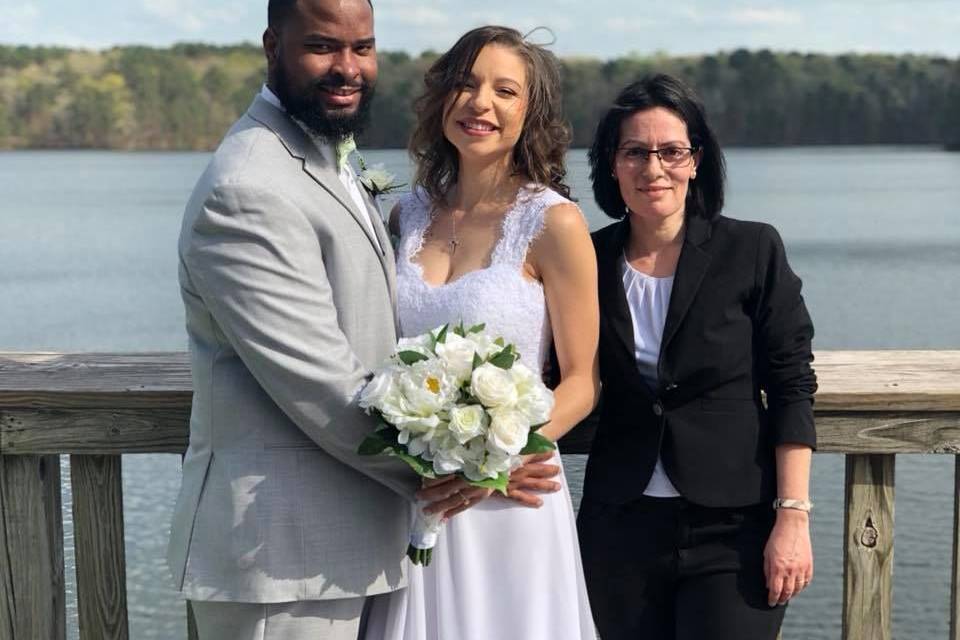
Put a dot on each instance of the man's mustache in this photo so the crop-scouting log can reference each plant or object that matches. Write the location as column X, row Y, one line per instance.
column 339, row 82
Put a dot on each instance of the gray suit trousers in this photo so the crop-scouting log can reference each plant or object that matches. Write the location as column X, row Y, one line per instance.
column 340, row 619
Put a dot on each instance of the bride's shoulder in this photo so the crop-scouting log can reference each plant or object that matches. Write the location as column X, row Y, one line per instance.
column 557, row 211
column 416, row 198
column 411, row 208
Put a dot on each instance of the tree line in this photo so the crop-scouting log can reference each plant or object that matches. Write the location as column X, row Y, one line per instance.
column 186, row 96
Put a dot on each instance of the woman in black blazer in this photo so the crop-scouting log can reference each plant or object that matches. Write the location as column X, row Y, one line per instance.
column 706, row 418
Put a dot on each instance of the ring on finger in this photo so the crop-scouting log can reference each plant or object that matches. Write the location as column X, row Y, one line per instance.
column 463, row 498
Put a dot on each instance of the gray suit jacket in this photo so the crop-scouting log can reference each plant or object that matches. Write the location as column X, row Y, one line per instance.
column 289, row 305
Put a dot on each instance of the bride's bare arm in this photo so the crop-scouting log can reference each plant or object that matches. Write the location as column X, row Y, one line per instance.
column 563, row 259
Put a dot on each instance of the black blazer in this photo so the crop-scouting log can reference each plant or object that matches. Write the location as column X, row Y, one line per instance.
column 736, row 326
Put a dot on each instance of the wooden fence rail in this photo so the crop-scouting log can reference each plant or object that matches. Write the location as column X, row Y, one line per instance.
column 871, row 406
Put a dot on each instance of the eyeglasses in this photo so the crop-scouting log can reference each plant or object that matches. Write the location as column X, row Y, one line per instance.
column 670, row 157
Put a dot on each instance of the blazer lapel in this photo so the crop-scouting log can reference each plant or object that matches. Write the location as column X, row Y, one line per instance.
column 613, row 303
column 613, row 299
column 691, row 268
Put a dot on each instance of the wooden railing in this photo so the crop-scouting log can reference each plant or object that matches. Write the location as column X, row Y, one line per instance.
column 96, row 407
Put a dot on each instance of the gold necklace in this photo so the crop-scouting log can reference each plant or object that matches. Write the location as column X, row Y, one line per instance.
column 454, row 241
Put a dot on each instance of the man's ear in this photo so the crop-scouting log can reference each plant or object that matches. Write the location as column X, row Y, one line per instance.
column 271, row 45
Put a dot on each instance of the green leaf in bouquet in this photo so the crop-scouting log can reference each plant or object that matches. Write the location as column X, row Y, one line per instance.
column 442, row 336
column 373, row 445
column 505, row 358
column 536, row 443
column 500, row 342
column 537, row 427
column 384, row 441
column 477, row 328
column 411, row 357
column 423, row 468
column 477, row 360
column 499, row 483
column 459, row 330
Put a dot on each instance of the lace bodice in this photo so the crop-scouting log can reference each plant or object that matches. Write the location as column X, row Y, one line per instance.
column 499, row 295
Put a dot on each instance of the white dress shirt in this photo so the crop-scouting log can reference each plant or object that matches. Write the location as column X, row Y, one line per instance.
column 648, row 298
column 346, row 174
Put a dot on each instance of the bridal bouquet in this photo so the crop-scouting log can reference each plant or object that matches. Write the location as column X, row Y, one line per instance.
column 456, row 401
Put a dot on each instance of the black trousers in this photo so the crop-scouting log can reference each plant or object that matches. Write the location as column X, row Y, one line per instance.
column 666, row 569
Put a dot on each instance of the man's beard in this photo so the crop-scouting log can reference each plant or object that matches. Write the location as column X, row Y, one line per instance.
column 308, row 106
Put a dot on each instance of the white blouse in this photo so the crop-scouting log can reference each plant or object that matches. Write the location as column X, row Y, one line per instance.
column 648, row 298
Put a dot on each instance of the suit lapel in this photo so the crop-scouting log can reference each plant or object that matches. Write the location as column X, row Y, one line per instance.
column 387, row 255
column 315, row 165
column 691, row 268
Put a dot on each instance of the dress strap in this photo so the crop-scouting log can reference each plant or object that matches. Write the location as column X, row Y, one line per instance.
column 414, row 212
column 524, row 224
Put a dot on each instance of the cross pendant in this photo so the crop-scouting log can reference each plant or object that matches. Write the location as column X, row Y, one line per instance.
column 453, row 245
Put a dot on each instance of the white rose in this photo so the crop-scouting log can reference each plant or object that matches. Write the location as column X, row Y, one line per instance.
column 467, row 422
column 458, row 354
column 536, row 405
column 534, row 399
column 509, row 430
column 493, row 386
column 483, row 344
column 428, row 388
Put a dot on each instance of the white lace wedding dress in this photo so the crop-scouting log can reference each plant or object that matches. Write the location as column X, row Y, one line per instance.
column 501, row 571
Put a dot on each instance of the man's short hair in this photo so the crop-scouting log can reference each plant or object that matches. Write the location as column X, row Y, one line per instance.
column 279, row 10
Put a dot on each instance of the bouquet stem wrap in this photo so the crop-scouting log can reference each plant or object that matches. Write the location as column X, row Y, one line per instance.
column 424, row 534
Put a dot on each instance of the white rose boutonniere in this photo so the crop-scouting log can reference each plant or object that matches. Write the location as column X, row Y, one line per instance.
column 376, row 179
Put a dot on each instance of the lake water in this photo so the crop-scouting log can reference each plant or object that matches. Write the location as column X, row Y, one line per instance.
column 87, row 263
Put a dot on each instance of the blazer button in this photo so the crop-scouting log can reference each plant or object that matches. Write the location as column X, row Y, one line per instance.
column 657, row 409
column 671, row 387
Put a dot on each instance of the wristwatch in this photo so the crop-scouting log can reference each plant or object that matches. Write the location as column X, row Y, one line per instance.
column 790, row 503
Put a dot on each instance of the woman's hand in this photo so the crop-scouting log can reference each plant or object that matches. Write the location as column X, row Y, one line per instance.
column 534, row 475
column 788, row 556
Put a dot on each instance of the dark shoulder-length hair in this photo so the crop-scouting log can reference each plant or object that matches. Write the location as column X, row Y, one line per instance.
column 540, row 152
column 705, row 194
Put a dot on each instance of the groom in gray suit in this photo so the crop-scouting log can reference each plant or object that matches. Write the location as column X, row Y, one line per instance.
column 281, row 530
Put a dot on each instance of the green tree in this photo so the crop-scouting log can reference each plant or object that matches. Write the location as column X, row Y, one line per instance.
column 101, row 114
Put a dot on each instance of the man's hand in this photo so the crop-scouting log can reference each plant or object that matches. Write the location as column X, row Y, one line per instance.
column 533, row 476
column 450, row 495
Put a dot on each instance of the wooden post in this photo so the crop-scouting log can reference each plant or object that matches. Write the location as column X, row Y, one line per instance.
column 868, row 548
column 955, row 576
column 32, row 596
column 100, row 557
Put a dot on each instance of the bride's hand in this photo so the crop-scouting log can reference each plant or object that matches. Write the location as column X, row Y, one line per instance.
column 534, row 475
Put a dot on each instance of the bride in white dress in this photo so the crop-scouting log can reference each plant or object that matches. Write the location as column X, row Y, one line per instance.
column 485, row 236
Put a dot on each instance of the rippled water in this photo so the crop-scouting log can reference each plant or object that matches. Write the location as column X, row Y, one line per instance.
column 87, row 262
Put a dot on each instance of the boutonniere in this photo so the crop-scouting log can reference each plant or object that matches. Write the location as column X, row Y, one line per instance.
column 376, row 179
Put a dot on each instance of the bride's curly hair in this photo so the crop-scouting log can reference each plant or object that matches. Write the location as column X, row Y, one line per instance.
column 541, row 149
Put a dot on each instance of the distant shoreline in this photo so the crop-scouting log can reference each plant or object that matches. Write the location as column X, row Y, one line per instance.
column 185, row 97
